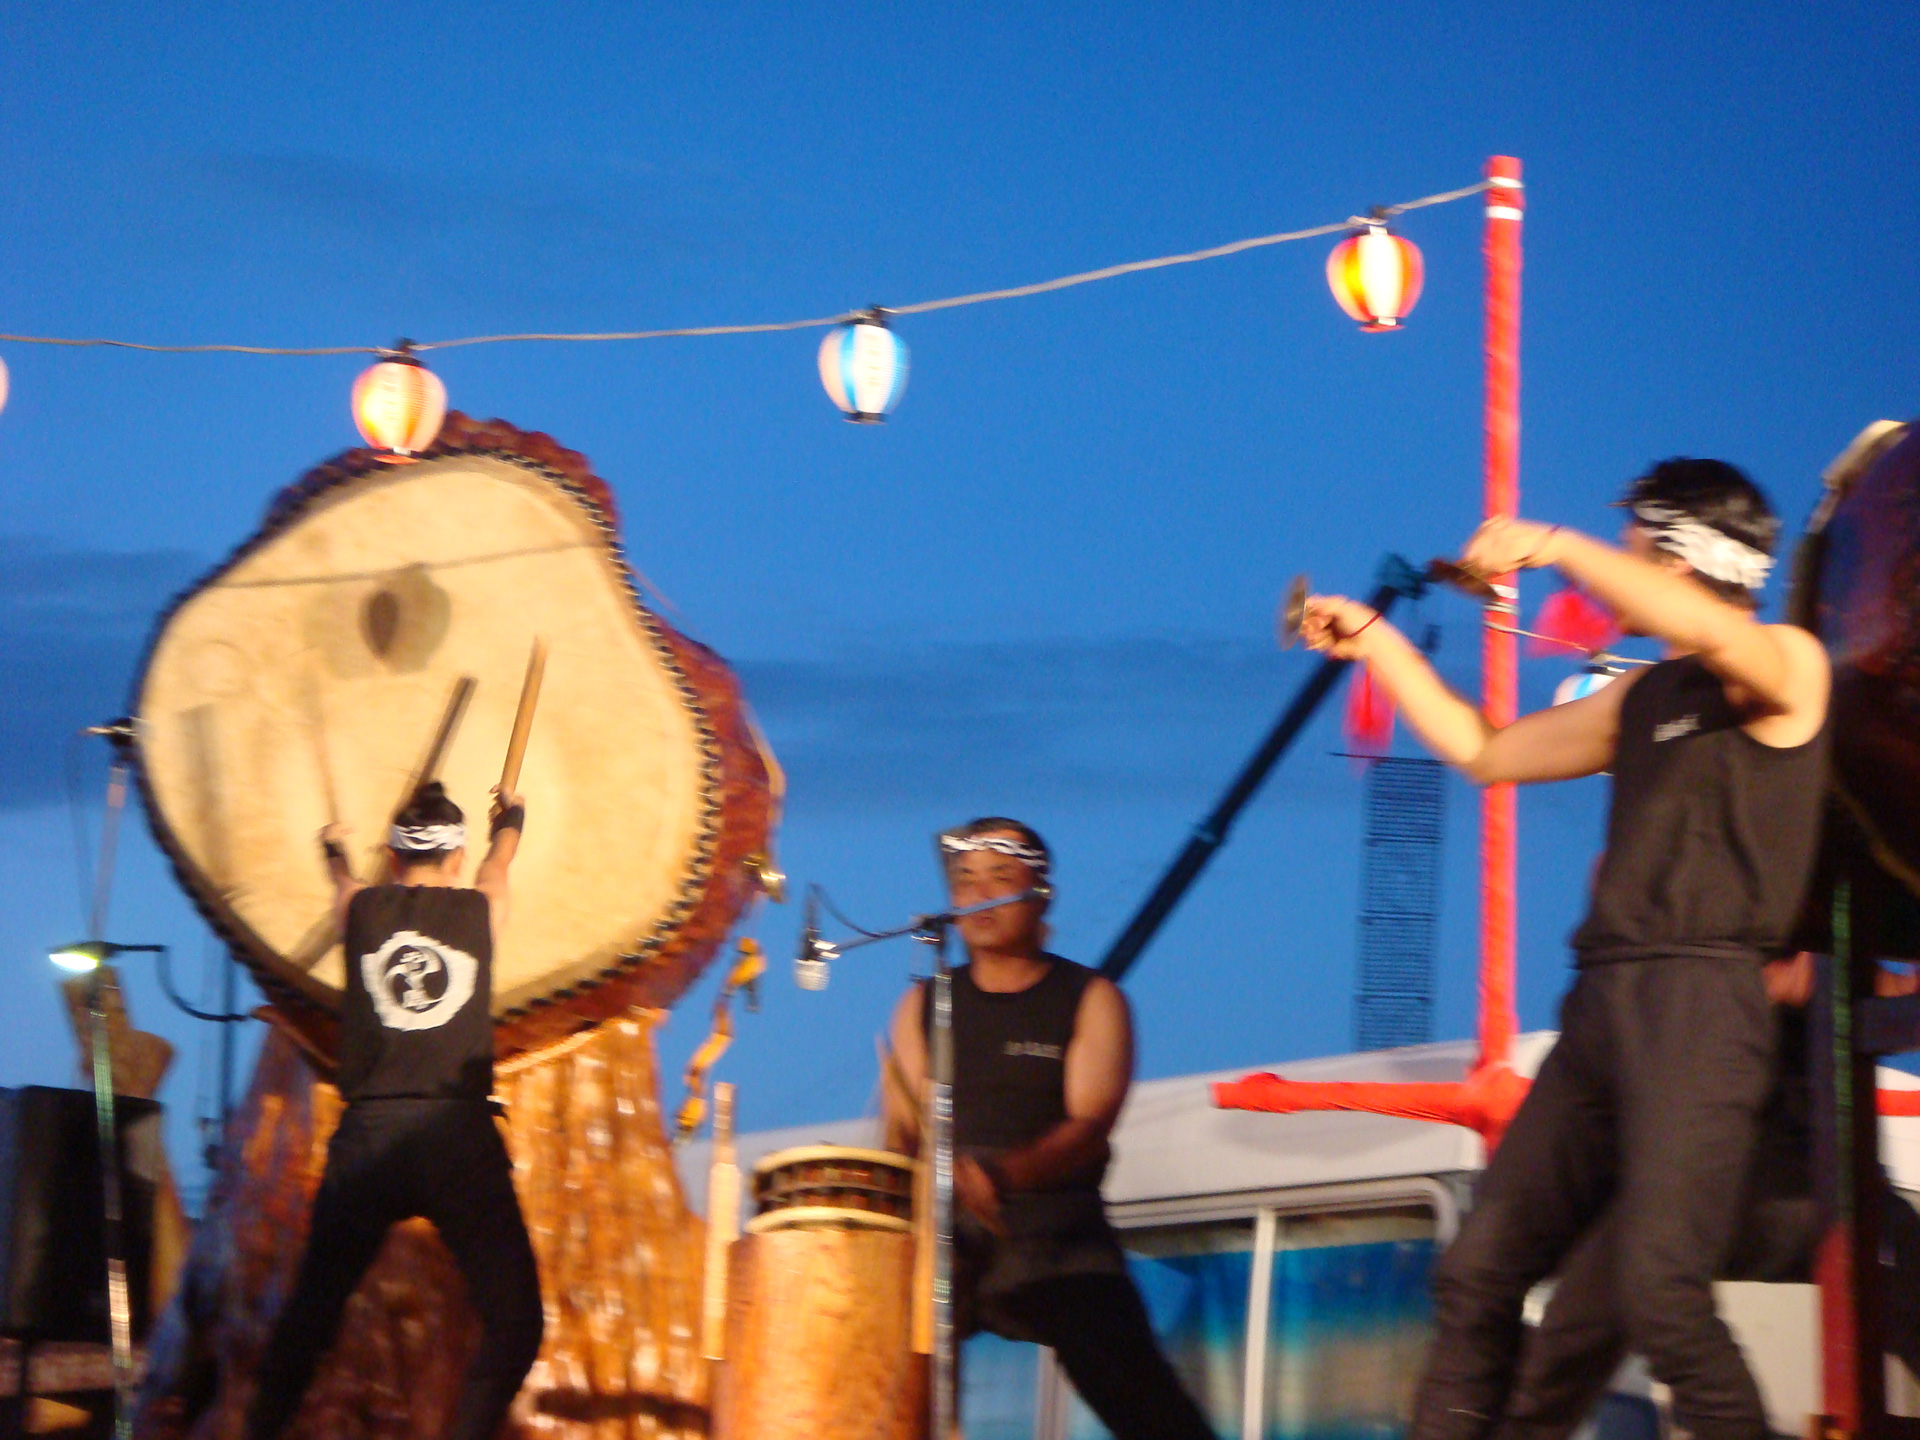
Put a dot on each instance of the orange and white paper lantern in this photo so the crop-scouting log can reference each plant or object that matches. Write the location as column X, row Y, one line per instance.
column 1376, row 277
column 399, row 405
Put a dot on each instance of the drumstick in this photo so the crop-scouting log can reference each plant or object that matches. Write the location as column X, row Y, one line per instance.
column 723, row 1224
column 925, row 1243
column 317, row 728
column 443, row 738
column 324, row 933
column 523, row 719
column 891, row 1075
column 894, row 1080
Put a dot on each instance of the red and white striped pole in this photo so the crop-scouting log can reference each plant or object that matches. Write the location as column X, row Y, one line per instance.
column 1499, row 651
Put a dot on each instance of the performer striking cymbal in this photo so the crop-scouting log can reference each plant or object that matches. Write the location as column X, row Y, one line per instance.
column 1043, row 1056
column 1648, row 1106
column 417, row 1138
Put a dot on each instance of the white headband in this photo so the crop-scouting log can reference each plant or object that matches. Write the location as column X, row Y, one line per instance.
column 1713, row 553
column 998, row 845
column 426, row 839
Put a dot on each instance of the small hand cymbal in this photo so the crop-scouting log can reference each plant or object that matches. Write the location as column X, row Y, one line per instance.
column 1451, row 572
column 1293, row 612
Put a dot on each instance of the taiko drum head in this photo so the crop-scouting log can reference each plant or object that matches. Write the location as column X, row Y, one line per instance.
column 1858, row 589
column 307, row 676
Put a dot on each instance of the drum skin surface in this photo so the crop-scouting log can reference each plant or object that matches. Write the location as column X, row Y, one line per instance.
column 818, row 1327
column 310, row 671
column 1866, row 609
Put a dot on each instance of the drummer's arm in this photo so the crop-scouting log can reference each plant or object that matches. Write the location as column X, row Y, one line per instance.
column 333, row 847
column 1099, row 1068
column 491, row 878
column 1782, row 668
column 899, row 1091
column 1560, row 743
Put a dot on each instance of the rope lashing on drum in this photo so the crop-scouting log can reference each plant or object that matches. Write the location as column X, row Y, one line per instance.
column 921, row 307
column 744, row 976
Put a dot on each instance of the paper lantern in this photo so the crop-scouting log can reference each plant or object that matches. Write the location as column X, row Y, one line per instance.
column 1589, row 681
column 1376, row 277
column 864, row 367
column 399, row 405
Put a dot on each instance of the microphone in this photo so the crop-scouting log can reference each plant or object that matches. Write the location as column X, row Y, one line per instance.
column 810, row 962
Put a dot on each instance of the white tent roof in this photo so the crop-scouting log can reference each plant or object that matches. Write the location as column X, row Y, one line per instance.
column 1171, row 1142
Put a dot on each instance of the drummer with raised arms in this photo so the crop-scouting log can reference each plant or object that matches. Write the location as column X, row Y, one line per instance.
column 418, row 1136
column 1648, row 1107
column 1042, row 1057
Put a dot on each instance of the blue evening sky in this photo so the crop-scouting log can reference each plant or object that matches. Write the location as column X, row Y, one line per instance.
column 1046, row 587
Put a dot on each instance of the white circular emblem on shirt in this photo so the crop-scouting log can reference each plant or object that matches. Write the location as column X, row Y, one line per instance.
column 417, row 982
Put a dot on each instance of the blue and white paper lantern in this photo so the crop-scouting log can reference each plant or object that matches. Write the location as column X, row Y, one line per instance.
column 1590, row 681
column 864, row 367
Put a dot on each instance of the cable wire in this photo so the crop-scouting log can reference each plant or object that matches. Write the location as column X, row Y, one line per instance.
column 826, row 903
column 921, row 307
column 164, row 966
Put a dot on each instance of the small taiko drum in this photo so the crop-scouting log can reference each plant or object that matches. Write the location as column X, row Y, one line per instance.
column 819, row 1337
column 832, row 1187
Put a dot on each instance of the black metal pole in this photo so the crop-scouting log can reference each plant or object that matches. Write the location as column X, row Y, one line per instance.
column 1396, row 578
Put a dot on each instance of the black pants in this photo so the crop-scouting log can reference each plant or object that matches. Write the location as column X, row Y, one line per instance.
column 1098, row 1328
column 1581, row 1341
column 393, row 1160
column 1647, row 1108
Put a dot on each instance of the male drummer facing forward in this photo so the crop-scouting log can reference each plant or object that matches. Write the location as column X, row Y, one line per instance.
column 1648, row 1106
column 1042, row 1057
column 417, row 1138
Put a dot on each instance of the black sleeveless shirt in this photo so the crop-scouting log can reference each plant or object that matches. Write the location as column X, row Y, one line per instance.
column 416, row 1017
column 1009, row 1059
column 1712, row 835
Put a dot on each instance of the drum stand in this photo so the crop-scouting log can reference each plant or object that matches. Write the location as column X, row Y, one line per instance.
column 931, row 931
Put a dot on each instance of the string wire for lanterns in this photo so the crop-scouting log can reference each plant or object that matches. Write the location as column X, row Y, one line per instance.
column 921, row 307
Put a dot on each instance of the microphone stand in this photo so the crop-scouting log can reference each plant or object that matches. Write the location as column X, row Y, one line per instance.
column 931, row 931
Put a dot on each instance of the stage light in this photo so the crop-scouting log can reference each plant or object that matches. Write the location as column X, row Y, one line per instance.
column 398, row 405
column 1376, row 276
column 3, row 384
column 864, row 367
column 82, row 958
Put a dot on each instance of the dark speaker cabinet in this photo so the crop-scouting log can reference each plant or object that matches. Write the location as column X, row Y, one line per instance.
column 53, row 1268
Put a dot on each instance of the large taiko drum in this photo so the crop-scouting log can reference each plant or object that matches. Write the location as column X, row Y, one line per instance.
column 308, row 675
column 832, row 1187
column 1858, row 589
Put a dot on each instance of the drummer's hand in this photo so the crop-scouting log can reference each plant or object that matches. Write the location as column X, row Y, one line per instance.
column 976, row 1194
column 1502, row 545
column 334, row 833
column 1888, row 982
column 503, row 801
column 1331, row 622
column 1789, row 982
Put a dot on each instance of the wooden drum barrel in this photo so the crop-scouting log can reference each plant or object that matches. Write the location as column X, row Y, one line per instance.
column 819, row 1324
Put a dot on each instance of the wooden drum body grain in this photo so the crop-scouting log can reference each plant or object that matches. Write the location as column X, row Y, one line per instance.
column 819, row 1324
